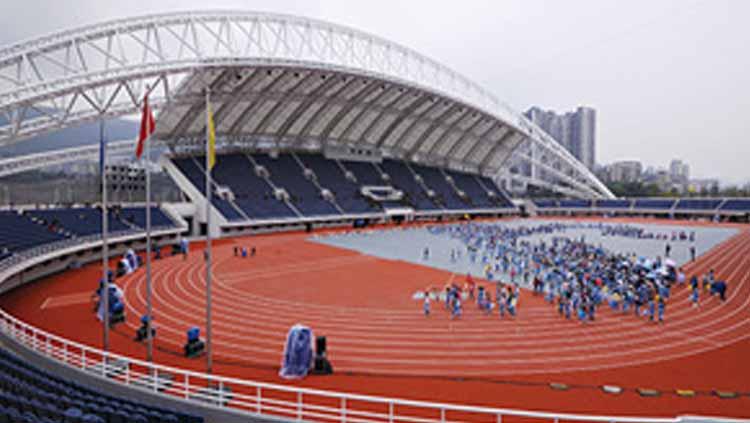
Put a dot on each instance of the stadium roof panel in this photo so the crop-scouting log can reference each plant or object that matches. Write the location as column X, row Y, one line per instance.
column 282, row 80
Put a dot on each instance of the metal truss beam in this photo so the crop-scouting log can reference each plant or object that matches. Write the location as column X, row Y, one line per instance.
column 28, row 162
column 102, row 70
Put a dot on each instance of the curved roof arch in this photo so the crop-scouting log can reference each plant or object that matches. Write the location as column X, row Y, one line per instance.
column 288, row 80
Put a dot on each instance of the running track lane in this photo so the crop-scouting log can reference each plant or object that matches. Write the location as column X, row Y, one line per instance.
column 718, row 366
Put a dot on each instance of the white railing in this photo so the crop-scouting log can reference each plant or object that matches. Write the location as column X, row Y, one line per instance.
column 257, row 398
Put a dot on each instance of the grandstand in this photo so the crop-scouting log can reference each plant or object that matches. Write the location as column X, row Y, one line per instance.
column 314, row 143
column 251, row 183
column 725, row 208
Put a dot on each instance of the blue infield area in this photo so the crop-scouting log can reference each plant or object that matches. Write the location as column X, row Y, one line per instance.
column 408, row 244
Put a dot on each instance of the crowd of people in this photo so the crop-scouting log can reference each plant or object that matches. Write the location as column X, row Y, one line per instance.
column 630, row 231
column 575, row 276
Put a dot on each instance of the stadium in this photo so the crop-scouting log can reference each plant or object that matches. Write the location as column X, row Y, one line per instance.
column 341, row 219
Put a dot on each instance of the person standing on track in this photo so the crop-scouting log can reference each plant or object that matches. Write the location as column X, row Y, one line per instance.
column 426, row 305
column 696, row 291
column 680, row 277
column 456, row 313
column 692, row 252
column 502, row 301
column 512, row 303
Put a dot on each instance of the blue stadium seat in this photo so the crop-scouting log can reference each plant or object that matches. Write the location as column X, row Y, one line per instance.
column 137, row 216
column 575, row 204
column 31, row 394
column 698, row 204
column 545, row 203
column 286, row 173
column 435, row 180
column 403, row 179
column 736, row 204
column 331, row 177
column 613, row 204
column 654, row 203
column 196, row 176
column 255, row 197
column 20, row 232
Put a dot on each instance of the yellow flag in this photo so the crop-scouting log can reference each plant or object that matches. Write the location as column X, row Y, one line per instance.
column 211, row 138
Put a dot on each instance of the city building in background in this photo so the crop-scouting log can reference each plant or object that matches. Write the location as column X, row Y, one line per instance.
column 707, row 186
column 625, row 171
column 576, row 131
column 679, row 172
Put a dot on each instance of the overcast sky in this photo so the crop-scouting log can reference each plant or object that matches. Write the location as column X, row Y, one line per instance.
column 668, row 78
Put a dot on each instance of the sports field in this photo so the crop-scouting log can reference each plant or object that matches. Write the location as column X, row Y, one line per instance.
column 356, row 289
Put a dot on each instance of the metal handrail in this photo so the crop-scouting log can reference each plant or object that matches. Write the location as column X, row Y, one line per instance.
column 192, row 385
column 256, row 398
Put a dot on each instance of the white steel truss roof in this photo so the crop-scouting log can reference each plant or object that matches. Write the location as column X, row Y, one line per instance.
column 275, row 80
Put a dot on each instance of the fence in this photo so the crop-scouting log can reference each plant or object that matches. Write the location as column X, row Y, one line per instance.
column 257, row 398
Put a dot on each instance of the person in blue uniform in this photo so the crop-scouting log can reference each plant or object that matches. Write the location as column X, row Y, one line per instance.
column 456, row 313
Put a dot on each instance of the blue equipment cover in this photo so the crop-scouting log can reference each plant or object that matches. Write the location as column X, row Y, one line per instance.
column 298, row 353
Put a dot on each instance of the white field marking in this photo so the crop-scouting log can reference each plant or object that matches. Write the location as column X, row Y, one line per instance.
column 282, row 271
column 741, row 323
column 298, row 308
column 334, row 308
column 390, row 313
column 66, row 300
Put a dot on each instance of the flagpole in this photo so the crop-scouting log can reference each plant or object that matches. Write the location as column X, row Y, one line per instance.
column 104, row 294
column 209, row 358
column 149, row 305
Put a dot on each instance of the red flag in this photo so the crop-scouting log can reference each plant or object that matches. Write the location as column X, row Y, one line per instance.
column 147, row 127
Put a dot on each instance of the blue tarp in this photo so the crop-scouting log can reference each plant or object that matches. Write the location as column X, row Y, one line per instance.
column 298, row 353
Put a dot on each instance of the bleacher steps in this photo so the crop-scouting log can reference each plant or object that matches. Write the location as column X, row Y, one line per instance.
column 214, row 185
column 262, row 172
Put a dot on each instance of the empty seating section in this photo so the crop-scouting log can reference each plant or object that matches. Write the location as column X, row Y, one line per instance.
column 576, row 204
column 391, row 204
column 19, row 232
column 137, row 216
column 435, row 180
column 197, row 177
column 36, row 227
column 654, row 203
column 331, row 177
column 698, row 204
column 286, row 172
column 252, row 193
column 477, row 195
column 365, row 173
column 613, row 204
column 79, row 221
column 545, row 204
column 29, row 394
column 501, row 199
column 403, row 179
column 736, row 204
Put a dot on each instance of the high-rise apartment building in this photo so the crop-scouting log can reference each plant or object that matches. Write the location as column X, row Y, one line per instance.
column 576, row 131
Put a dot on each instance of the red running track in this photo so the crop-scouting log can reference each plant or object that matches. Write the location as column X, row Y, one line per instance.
column 380, row 343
